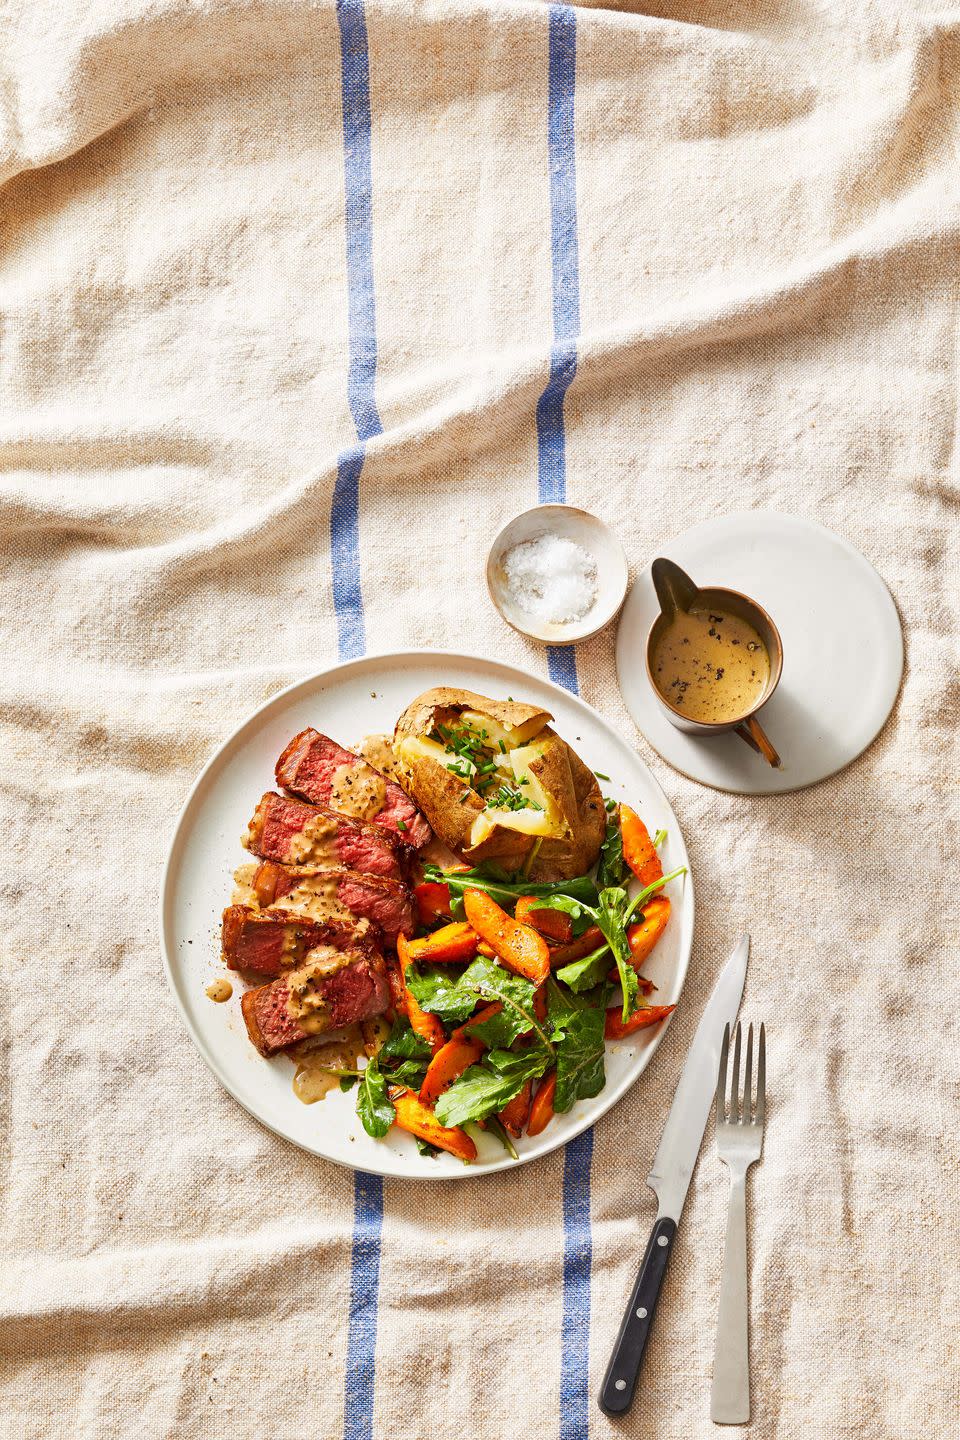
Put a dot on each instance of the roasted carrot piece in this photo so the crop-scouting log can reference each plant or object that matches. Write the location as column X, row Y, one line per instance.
column 447, row 1065
column 615, row 1029
column 638, row 849
column 433, row 901
column 422, row 1023
column 487, row 950
column 540, row 1001
column 418, row 1120
column 541, row 1111
column 493, row 1009
column 456, row 941
column 515, row 1115
column 518, row 946
column 591, row 939
column 553, row 924
column 645, row 934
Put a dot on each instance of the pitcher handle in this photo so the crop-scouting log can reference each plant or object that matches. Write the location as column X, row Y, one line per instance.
column 751, row 731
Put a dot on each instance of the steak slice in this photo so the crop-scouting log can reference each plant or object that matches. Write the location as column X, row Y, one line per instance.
column 320, row 770
column 328, row 991
column 331, row 894
column 271, row 943
column 292, row 833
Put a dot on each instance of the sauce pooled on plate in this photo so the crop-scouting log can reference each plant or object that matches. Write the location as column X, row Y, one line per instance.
column 710, row 665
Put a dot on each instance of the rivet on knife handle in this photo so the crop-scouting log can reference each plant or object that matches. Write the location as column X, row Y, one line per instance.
column 620, row 1381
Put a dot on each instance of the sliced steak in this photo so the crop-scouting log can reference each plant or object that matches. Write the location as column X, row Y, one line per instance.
column 270, row 943
column 292, row 833
column 323, row 894
column 320, row 770
column 330, row 990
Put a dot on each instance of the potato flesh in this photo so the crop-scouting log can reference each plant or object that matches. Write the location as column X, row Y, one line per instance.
column 519, row 735
column 411, row 749
column 517, row 765
column 525, row 822
column 524, row 764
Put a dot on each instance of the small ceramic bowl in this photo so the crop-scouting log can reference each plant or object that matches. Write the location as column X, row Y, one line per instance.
column 585, row 530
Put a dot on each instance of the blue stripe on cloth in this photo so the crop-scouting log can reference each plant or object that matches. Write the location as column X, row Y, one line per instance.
column 358, row 176
column 563, row 237
column 348, row 606
column 345, row 554
column 577, row 1259
column 562, row 666
column 562, row 662
column 364, row 1299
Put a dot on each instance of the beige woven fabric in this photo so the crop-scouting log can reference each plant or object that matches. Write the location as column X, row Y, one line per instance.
column 767, row 217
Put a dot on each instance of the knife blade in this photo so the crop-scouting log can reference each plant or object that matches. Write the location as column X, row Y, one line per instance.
column 670, row 1177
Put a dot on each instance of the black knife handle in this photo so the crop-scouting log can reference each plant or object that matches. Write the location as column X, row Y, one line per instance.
column 620, row 1381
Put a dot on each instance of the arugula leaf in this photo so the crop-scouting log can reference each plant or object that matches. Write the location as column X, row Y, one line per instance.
column 408, row 1072
column 576, row 909
column 577, row 1024
column 347, row 1082
column 586, row 973
column 501, row 1133
column 439, row 991
column 373, row 1104
column 426, row 1148
column 611, row 916
column 612, row 869
column 484, row 1089
column 641, row 898
column 486, row 980
column 499, row 1031
column 580, row 1054
column 403, row 1043
column 579, row 1041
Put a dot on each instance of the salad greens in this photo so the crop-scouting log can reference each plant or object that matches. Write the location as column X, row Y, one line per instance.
column 436, row 989
column 612, row 869
column 373, row 1103
column 577, row 1025
column 486, row 1087
column 520, row 1044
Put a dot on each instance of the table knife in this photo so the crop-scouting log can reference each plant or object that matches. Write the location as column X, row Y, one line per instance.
column 670, row 1177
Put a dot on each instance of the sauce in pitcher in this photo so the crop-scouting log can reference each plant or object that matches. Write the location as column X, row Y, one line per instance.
column 710, row 665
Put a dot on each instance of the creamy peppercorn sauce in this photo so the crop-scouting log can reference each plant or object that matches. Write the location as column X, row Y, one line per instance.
column 710, row 665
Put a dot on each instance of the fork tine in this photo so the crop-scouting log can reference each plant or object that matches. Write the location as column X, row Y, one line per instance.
column 762, row 1075
column 748, row 1079
column 722, row 1076
column 735, row 1081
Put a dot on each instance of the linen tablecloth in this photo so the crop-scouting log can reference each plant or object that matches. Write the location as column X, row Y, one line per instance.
column 299, row 302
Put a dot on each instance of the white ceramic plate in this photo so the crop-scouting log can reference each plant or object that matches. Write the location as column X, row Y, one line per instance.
column 348, row 702
column 842, row 650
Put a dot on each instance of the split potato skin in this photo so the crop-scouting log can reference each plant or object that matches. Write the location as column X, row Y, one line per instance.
column 574, row 814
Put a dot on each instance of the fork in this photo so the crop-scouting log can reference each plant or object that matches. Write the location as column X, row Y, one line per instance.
column 739, row 1143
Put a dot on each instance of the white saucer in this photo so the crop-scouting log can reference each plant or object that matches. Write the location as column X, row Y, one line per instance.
column 842, row 650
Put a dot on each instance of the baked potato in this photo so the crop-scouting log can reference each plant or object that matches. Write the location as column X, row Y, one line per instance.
column 498, row 784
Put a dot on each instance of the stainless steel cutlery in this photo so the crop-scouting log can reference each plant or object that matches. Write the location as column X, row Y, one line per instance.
column 740, row 1120
column 670, row 1177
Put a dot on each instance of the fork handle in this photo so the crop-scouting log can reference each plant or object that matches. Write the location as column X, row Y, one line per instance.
column 620, row 1381
column 730, row 1394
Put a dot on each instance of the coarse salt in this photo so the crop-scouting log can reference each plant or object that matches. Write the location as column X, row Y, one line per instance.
column 551, row 578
